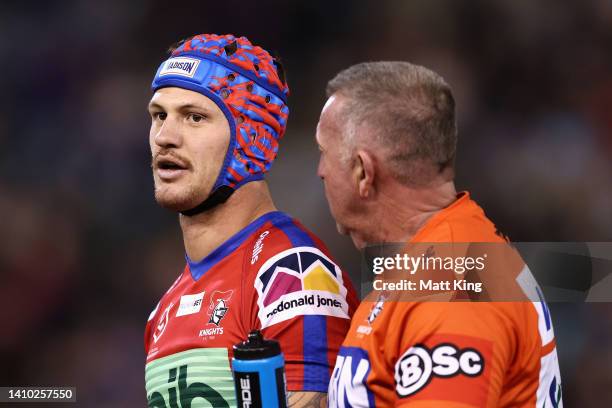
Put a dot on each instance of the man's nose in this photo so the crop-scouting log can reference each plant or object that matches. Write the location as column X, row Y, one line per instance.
column 320, row 169
column 168, row 134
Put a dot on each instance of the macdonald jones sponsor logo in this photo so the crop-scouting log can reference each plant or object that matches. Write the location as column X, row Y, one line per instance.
column 321, row 301
column 299, row 281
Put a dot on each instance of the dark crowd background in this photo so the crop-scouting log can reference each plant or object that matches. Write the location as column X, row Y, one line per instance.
column 85, row 253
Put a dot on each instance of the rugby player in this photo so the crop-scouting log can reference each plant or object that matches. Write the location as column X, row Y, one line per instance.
column 387, row 137
column 218, row 111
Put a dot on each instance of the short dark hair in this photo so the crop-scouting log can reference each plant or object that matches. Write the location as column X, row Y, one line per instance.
column 410, row 111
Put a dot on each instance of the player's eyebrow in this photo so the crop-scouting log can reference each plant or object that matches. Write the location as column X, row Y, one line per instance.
column 182, row 107
column 190, row 106
column 154, row 105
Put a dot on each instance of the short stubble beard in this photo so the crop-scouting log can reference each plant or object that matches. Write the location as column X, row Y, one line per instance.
column 182, row 200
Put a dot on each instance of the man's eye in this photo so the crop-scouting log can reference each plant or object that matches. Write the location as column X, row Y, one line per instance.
column 159, row 115
column 194, row 117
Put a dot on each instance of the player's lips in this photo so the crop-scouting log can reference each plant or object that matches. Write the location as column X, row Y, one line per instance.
column 169, row 167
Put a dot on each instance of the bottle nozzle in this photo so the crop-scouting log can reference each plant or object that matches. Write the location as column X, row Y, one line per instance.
column 255, row 337
column 256, row 346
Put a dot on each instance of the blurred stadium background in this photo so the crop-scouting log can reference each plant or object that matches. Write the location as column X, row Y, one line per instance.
column 85, row 252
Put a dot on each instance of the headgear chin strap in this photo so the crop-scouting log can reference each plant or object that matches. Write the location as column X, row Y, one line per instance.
column 248, row 85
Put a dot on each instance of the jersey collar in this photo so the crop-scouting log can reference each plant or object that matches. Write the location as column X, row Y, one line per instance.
column 199, row 268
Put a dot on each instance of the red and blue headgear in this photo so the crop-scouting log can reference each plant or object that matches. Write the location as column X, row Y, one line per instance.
column 248, row 85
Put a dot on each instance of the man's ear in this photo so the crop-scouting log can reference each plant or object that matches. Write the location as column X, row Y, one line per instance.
column 363, row 173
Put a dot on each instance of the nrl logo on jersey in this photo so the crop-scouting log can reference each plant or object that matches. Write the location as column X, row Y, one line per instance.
column 377, row 308
column 219, row 305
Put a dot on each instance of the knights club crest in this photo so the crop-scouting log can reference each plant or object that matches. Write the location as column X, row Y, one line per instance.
column 219, row 305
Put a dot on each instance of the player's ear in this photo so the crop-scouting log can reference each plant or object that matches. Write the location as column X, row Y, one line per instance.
column 363, row 173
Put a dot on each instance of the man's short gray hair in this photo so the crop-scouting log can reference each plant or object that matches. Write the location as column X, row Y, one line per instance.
column 407, row 109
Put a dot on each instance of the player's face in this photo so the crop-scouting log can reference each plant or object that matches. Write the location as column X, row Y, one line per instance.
column 335, row 169
column 189, row 138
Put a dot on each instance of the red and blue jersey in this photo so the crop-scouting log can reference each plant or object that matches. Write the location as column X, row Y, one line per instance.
column 273, row 275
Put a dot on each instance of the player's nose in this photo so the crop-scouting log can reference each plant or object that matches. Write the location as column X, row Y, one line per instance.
column 168, row 134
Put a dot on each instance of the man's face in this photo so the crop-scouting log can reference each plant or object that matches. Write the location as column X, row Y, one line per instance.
column 189, row 138
column 335, row 169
